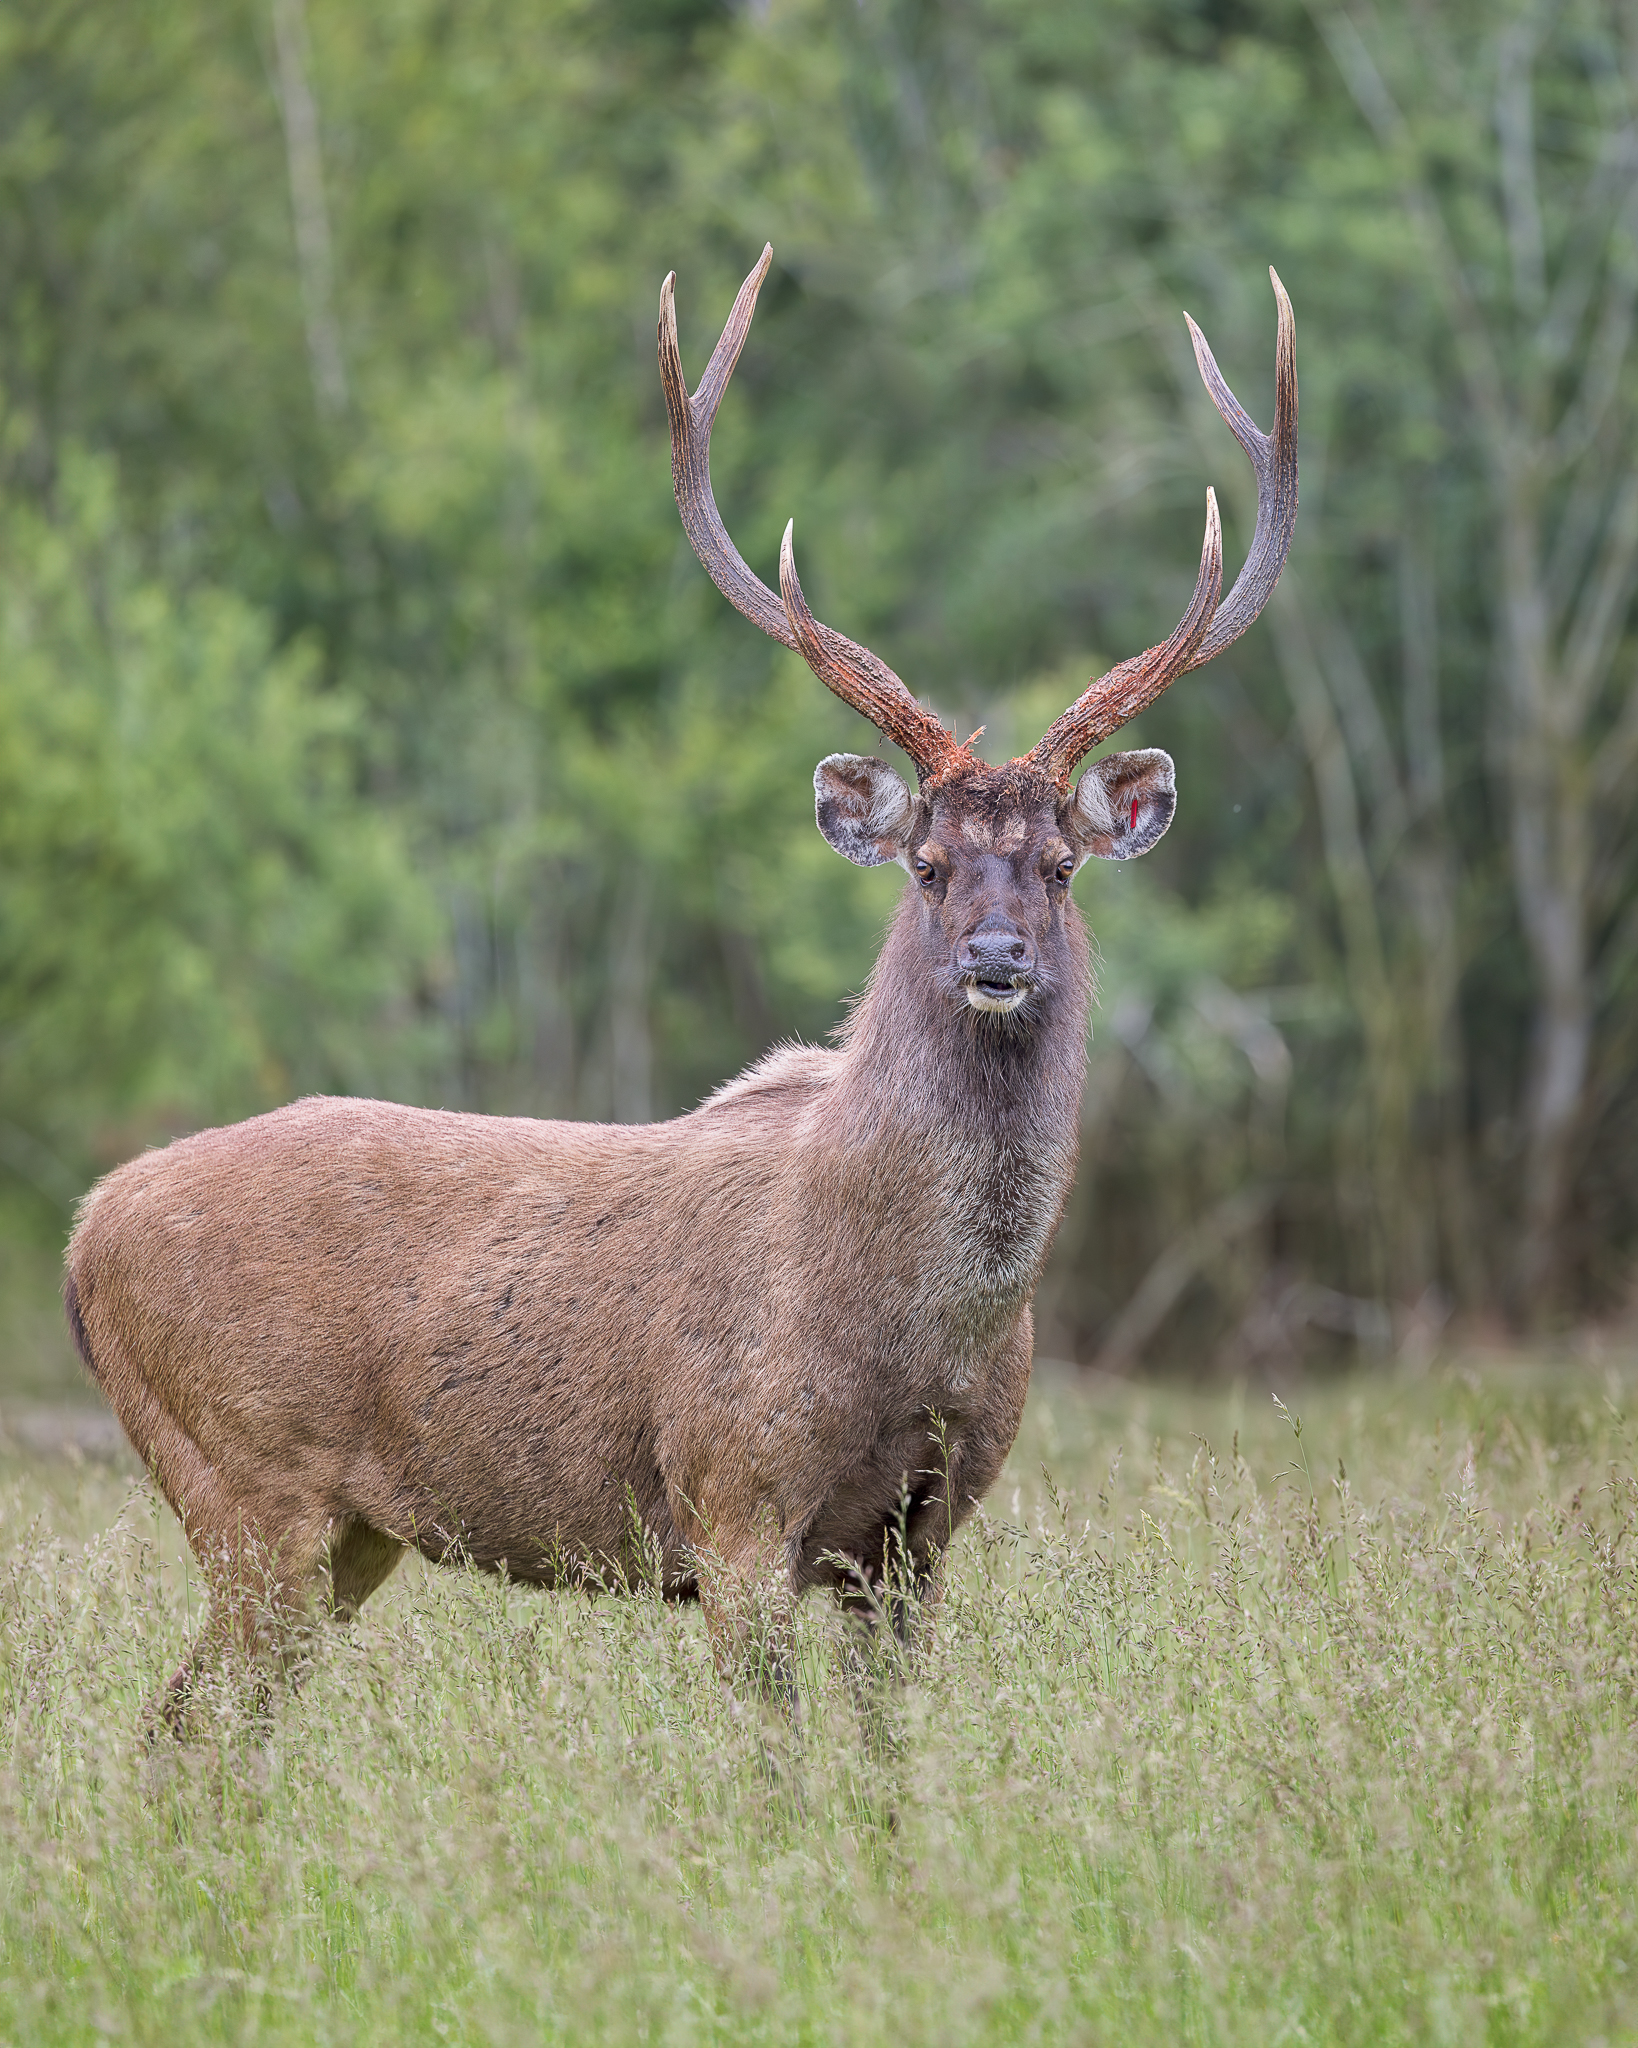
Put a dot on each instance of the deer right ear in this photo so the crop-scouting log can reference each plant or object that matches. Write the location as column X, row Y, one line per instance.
column 864, row 809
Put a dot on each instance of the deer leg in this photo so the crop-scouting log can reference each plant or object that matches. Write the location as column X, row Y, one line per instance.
column 259, row 1617
column 359, row 1558
column 884, row 1626
column 259, row 1542
column 262, row 1601
column 892, row 1588
column 747, row 1590
column 887, row 1599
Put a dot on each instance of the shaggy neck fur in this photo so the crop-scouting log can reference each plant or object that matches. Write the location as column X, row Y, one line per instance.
column 977, row 1116
column 918, row 1053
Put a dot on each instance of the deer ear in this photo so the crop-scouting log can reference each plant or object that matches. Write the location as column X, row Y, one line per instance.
column 1122, row 804
column 864, row 808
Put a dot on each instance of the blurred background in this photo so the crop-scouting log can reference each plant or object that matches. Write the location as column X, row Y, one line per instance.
column 366, row 724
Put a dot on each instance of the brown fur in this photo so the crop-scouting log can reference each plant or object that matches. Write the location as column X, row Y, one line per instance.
column 567, row 1349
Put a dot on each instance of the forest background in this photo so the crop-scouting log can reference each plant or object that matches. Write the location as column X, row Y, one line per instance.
column 366, row 724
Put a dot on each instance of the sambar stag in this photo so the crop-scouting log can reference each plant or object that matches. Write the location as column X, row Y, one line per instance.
column 794, row 1323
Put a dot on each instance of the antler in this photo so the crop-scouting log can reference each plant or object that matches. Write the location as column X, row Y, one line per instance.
column 1207, row 627
column 852, row 672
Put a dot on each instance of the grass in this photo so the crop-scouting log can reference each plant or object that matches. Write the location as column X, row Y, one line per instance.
column 1224, row 1734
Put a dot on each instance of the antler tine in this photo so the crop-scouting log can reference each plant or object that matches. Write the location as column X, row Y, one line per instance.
column 1207, row 627
column 1113, row 700
column 1274, row 458
column 691, row 420
column 851, row 672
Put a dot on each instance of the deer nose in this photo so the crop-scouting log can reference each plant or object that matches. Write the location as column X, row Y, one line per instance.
column 998, row 954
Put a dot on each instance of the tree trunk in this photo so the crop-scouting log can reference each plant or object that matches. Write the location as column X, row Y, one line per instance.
column 304, row 160
column 1566, row 513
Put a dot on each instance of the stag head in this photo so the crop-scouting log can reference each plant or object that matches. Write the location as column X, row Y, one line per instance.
column 992, row 849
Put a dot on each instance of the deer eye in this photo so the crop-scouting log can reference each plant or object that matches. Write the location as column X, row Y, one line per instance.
column 1066, row 869
column 925, row 871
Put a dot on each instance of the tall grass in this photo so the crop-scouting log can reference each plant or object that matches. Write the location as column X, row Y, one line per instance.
column 1244, row 1735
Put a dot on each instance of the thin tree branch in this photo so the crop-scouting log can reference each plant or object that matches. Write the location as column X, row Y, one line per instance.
column 1611, row 179
column 1616, row 762
column 1475, row 353
column 1419, row 644
column 1576, row 539
column 1160, row 1289
column 1602, row 612
column 304, row 160
column 1327, row 752
column 1516, row 135
column 1367, row 735
column 1585, row 414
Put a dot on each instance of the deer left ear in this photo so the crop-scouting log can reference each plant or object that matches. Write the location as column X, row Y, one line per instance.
column 1122, row 804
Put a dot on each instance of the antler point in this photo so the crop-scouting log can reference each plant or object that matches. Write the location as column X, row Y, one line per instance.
column 668, row 318
column 790, row 587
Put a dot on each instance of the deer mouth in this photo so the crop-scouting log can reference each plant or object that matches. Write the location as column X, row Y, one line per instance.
column 996, row 996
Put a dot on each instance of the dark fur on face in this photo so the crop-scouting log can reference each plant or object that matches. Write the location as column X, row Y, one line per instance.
column 993, row 867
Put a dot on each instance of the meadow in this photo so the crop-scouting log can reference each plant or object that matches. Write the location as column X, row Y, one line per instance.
column 1237, row 1722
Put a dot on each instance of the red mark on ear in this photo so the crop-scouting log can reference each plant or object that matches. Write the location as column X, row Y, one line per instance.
column 1133, row 826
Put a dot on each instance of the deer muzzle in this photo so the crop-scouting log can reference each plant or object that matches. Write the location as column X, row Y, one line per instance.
column 997, row 966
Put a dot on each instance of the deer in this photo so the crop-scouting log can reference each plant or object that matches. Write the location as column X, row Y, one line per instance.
column 787, row 1333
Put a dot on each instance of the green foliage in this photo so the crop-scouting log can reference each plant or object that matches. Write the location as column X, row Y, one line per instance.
column 198, row 914
column 514, row 814
column 1218, row 1737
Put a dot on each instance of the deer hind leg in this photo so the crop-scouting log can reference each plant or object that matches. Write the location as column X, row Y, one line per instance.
column 265, row 1594
column 259, row 1536
column 261, row 1546
column 258, row 1623
column 358, row 1558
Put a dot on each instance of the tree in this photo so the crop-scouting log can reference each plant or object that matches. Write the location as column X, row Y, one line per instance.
column 345, row 320
column 197, row 915
column 1514, row 147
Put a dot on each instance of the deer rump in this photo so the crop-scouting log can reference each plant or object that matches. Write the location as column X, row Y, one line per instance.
column 580, row 1353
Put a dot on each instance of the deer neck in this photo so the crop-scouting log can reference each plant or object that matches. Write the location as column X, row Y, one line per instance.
column 956, row 1132
column 974, row 1117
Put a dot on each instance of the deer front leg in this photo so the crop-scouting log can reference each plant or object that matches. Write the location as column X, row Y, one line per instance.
column 747, row 1591
column 890, row 1583
column 888, row 1589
